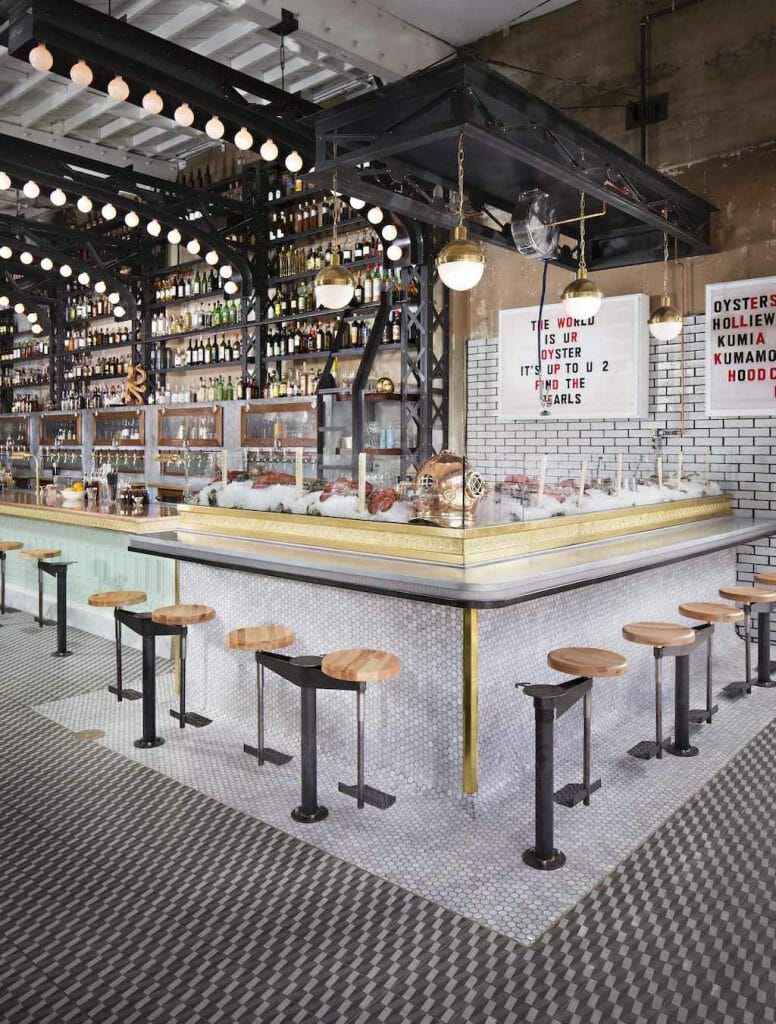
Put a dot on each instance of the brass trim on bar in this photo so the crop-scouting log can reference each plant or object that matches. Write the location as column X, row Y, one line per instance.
column 471, row 701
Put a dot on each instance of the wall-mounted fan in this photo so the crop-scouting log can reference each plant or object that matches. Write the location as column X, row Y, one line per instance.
column 534, row 231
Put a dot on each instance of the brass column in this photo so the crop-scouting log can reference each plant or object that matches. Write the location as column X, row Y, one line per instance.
column 471, row 710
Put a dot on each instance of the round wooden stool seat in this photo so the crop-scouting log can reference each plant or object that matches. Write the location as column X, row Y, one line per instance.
column 768, row 579
column 183, row 614
column 116, row 598
column 39, row 553
column 747, row 594
column 260, row 638
column 587, row 661
column 360, row 665
column 711, row 611
column 10, row 545
column 659, row 634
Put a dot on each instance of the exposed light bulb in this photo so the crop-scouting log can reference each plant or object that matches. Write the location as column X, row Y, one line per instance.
column 4, row 301
column 5, row 182
column 389, row 232
column 36, row 329
column 211, row 257
column 85, row 204
column 83, row 278
column 153, row 102
column 46, row 263
column 193, row 247
column 184, row 115
column 153, row 227
column 174, row 236
column 100, row 287
column 243, row 139
column 81, row 73
column 40, row 58
column 231, row 287
column 269, row 151
column 19, row 308
column 5, row 252
column 31, row 189
column 131, row 219
column 66, row 270
column 119, row 312
column 109, row 211
column 356, row 203
column 393, row 252
column 294, row 162
column 226, row 270
column 32, row 317
column 375, row 215
column 214, row 129
column 58, row 197
column 113, row 298
column 118, row 89
column 26, row 258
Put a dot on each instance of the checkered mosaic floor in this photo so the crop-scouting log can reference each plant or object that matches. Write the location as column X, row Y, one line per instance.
column 128, row 896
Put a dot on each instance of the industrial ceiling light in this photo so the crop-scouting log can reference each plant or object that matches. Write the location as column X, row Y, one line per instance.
column 40, row 58
column 294, row 162
column 66, row 270
column 153, row 102
column 36, row 329
column 356, row 203
column 582, row 298
column 118, row 89
column 193, row 247
column 19, row 308
column 243, row 139
column 58, row 197
column 231, row 287
column 26, row 258
column 174, row 236
column 109, row 211
column 83, row 278
column 100, row 287
column 335, row 285
column 5, row 252
column 46, row 263
column 269, row 151
column 665, row 322
column 5, row 182
column 214, row 129
column 131, row 219
column 153, row 227
column 31, row 189
column 375, row 215
column 211, row 258
column 461, row 262
column 81, row 73
column 84, row 204
column 226, row 271
column 184, row 115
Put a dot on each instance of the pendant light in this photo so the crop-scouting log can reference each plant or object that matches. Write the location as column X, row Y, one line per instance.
column 46, row 263
column 184, row 115
column 83, row 278
column 32, row 317
column 154, row 228
column 26, row 258
column 19, row 308
column 461, row 262
column 294, row 162
column 36, row 328
column 109, row 211
column 193, row 247
column 153, row 102
column 214, row 129
column 582, row 298
column 5, row 182
column 131, row 219
column 58, row 197
column 174, row 236
column 118, row 89
column 268, row 151
column 40, row 58
column 666, row 321
column 335, row 285
column 243, row 139
column 81, row 73
column 31, row 189
column 84, row 204
column 5, row 252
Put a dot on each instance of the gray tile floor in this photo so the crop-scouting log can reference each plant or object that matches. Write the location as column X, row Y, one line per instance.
column 128, row 896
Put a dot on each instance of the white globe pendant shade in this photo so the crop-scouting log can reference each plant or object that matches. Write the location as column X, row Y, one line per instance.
column 119, row 312
column 582, row 298
column 36, row 328
column 83, row 278
column 100, row 287
column 4, row 301
column 108, row 211
column 184, row 115
column 226, row 270
column 389, row 232
column 393, row 252
column 666, row 321
column 294, row 162
column 31, row 189
column 40, row 58
column 32, row 317
column 118, row 89
column 243, row 139
column 231, row 287
column 174, row 236
column 66, row 270
column 113, row 298
column 131, row 219
column 19, row 308
column 193, row 247
column 154, row 228
column 356, row 203
column 269, row 151
column 5, row 252
column 375, row 215
column 84, row 204
column 5, row 182
column 211, row 258
column 46, row 263
column 461, row 263
column 214, row 129
column 81, row 73
column 153, row 102
column 58, row 197
column 26, row 258
column 335, row 287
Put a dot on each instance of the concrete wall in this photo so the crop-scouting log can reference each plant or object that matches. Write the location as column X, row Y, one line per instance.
column 717, row 62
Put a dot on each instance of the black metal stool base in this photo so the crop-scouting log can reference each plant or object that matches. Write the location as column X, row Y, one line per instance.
column 45, row 622
column 681, row 751
column 769, row 684
column 701, row 715
column 575, row 792
column 10, row 611
column 61, row 654
column 373, row 797
column 148, row 744
column 533, row 860
column 646, row 750
column 191, row 718
column 300, row 815
column 125, row 693
column 735, row 690
column 270, row 755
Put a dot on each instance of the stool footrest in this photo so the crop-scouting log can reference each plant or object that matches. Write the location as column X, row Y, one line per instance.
column 126, row 693
column 10, row 611
column 45, row 622
column 734, row 690
column 319, row 814
column 373, row 797
column 575, row 792
column 690, row 751
column 646, row 749
column 533, row 860
column 61, row 654
column 767, row 685
column 191, row 718
column 700, row 715
column 148, row 744
column 273, row 756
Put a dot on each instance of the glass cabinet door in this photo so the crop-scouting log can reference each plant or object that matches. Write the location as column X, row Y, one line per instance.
column 201, row 427
column 15, row 431
column 287, row 425
column 119, row 427
column 60, row 428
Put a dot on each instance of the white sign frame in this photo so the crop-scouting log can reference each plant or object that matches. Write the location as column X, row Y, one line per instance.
column 638, row 407
column 712, row 292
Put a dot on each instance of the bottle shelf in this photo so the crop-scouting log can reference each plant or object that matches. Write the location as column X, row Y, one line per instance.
column 28, row 359
column 165, row 304
column 324, row 232
column 391, row 346
column 197, row 332
column 348, row 313
column 304, row 275
column 294, row 197
column 202, row 368
column 67, row 382
column 100, row 348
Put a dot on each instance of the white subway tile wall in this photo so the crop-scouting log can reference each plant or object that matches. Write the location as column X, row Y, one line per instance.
column 741, row 451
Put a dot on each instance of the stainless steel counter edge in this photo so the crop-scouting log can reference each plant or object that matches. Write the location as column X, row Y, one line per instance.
column 521, row 579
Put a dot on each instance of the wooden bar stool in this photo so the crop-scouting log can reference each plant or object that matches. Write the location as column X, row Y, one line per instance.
column 116, row 599
column 759, row 601
column 258, row 639
column 712, row 613
column 764, row 664
column 551, row 701
column 40, row 555
column 183, row 616
column 58, row 570
column 668, row 640
column 362, row 666
column 5, row 547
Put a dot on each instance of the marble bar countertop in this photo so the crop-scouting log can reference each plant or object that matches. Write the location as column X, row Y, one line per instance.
column 484, row 586
column 105, row 516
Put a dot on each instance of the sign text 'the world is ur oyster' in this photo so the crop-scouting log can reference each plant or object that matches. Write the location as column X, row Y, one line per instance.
column 741, row 348
column 596, row 368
